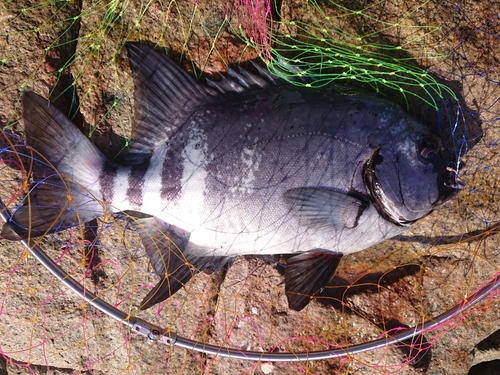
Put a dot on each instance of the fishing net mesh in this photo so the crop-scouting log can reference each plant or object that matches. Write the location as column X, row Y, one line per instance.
column 438, row 59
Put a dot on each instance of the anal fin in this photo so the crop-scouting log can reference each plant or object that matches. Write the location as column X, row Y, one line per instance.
column 307, row 273
column 165, row 245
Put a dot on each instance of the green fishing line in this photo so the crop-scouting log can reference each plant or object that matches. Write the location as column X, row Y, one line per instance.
column 319, row 52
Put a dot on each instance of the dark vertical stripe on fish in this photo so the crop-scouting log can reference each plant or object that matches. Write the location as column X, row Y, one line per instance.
column 136, row 180
column 107, row 181
column 171, row 175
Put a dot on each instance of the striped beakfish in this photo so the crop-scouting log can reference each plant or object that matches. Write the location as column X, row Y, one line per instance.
column 245, row 165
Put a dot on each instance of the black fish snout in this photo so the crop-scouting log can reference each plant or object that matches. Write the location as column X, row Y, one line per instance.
column 452, row 179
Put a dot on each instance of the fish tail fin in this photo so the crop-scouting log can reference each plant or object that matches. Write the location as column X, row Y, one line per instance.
column 66, row 168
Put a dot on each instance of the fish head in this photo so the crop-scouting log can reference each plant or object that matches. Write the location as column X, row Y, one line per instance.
column 410, row 176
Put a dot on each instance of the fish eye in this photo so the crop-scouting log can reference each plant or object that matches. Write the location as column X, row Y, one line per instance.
column 428, row 148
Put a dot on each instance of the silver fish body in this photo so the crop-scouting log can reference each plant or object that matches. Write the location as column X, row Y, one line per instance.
column 237, row 162
column 244, row 167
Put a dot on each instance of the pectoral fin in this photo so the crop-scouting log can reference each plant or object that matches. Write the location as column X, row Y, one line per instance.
column 165, row 245
column 319, row 208
column 308, row 273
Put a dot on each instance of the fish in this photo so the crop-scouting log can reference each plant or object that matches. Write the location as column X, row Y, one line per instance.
column 248, row 165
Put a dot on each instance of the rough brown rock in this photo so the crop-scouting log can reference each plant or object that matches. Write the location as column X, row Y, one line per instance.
column 47, row 46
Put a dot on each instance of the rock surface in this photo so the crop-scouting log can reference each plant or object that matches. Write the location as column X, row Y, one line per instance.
column 60, row 49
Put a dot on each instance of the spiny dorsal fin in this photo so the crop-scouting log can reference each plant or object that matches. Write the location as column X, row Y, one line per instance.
column 225, row 85
column 239, row 81
column 165, row 95
column 247, row 79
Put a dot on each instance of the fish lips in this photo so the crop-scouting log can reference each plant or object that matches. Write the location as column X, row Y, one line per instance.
column 400, row 207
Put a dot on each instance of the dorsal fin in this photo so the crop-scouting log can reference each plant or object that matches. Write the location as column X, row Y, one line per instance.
column 225, row 85
column 247, row 79
column 275, row 80
column 165, row 95
column 238, row 81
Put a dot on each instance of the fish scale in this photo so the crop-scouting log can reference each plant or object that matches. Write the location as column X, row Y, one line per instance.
column 250, row 165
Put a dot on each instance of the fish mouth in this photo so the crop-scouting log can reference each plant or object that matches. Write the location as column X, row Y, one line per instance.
column 449, row 184
column 452, row 179
column 382, row 203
